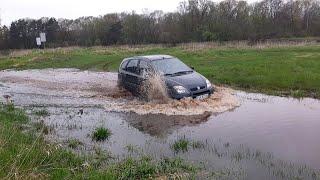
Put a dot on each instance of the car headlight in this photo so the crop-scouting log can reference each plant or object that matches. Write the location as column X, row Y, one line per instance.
column 180, row 89
column 208, row 83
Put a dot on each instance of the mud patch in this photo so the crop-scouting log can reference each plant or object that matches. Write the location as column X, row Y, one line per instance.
column 222, row 100
column 101, row 88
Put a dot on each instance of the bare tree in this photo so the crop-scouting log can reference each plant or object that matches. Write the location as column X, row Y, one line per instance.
column 194, row 20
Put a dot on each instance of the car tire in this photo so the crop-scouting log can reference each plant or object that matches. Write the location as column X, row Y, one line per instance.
column 119, row 84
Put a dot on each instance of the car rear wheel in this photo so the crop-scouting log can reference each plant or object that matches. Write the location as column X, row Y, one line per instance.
column 119, row 84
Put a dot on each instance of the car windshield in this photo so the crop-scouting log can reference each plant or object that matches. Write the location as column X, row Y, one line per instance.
column 172, row 66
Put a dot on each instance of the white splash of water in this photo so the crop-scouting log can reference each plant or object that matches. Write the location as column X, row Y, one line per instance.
column 222, row 100
column 155, row 89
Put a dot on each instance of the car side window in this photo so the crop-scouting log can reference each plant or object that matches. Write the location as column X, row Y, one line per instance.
column 143, row 67
column 133, row 66
column 124, row 64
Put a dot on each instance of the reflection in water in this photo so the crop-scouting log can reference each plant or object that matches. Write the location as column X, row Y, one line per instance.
column 163, row 125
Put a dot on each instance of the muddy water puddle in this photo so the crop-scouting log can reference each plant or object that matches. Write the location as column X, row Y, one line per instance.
column 265, row 137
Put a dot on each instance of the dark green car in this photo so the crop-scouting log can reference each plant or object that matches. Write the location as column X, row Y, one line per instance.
column 181, row 80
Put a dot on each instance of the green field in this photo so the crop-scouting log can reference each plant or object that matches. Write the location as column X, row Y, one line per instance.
column 289, row 71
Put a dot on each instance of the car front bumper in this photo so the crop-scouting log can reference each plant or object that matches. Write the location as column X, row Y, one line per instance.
column 193, row 94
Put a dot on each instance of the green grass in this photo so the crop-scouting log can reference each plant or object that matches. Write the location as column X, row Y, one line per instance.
column 26, row 155
column 42, row 127
column 74, row 143
column 101, row 134
column 181, row 145
column 290, row 71
column 145, row 168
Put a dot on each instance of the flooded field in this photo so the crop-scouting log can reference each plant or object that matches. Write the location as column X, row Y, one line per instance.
column 242, row 135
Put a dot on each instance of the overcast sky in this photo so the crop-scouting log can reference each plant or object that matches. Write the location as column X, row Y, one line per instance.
column 11, row 10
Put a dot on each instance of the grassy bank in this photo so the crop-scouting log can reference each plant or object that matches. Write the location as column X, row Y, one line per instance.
column 26, row 155
column 285, row 70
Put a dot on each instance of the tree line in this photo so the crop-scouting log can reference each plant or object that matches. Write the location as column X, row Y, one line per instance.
column 194, row 21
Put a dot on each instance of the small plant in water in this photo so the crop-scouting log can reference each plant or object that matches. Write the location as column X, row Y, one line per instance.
column 197, row 145
column 42, row 112
column 101, row 134
column 181, row 145
column 131, row 148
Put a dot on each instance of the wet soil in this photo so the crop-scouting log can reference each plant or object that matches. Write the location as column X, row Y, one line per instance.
column 101, row 88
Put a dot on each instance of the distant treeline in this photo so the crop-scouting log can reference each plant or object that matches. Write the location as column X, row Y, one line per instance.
column 194, row 21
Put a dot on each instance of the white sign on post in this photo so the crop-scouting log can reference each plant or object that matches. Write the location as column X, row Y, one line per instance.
column 38, row 40
column 43, row 37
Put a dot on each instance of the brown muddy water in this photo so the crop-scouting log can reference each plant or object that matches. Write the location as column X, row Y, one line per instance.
column 241, row 135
